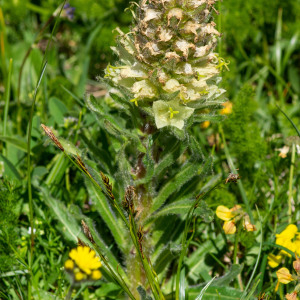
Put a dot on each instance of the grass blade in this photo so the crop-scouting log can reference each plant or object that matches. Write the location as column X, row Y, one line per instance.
column 204, row 289
column 293, row 124
column 7, row 96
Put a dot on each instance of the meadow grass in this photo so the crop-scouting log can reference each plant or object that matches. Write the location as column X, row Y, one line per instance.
column 55, row 198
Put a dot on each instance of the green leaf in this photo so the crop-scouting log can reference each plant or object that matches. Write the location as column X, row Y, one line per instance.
column 57, row 110
column 234, row 271
column 171, row 155
column 143, row 293
column 217, row 293
column 17, row 142
column 197, row 260
column 113, row 126
column 188, row 171
column 101, row 204
column 108, row 290
column 212, row 118
column 182, row 208
column 168, row 254
column 182, row 285
column 204, row 289
column 9, row 168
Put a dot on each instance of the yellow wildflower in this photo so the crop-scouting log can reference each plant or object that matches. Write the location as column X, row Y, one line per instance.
column 231, row 216
column 284, row 276
column 229, row 227
column 83, row 264
column 85, row 259
column 224, row 213
column 205, row 124
column 274, row 260
column 227, row 108
column 69, row 264
column 286, row 239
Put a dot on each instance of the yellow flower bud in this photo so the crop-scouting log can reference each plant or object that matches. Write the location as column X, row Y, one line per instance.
column 69, row 264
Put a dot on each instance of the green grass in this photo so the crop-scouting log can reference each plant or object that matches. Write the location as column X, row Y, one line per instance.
column 48, row 66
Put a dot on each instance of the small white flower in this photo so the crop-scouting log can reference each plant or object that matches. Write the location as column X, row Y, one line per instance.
column 29, row 230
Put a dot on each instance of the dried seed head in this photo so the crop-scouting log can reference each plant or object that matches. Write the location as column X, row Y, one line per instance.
column 87, row 232
column 50, row 134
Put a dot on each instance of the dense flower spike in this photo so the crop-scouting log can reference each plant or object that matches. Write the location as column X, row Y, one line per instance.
column 167, row 61
column 83, row 264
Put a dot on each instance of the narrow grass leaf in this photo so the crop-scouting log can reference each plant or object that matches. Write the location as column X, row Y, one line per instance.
column 105, row 212
column 204, row 289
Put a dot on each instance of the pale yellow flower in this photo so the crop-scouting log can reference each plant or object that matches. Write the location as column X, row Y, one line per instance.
column 229, row 227
column 284, row 276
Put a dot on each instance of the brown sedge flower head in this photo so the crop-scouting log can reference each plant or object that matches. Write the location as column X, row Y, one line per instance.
column 83, row 264
column 167, row 62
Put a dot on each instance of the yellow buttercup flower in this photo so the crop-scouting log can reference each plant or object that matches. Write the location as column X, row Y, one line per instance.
column 284, row 276
column 83, row 264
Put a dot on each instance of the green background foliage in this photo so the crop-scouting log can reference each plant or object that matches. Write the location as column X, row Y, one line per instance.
column 261, row 40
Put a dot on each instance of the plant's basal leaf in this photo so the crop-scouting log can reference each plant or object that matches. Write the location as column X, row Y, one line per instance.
column 197, row 260
column 234, row 271
column 216, row 293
